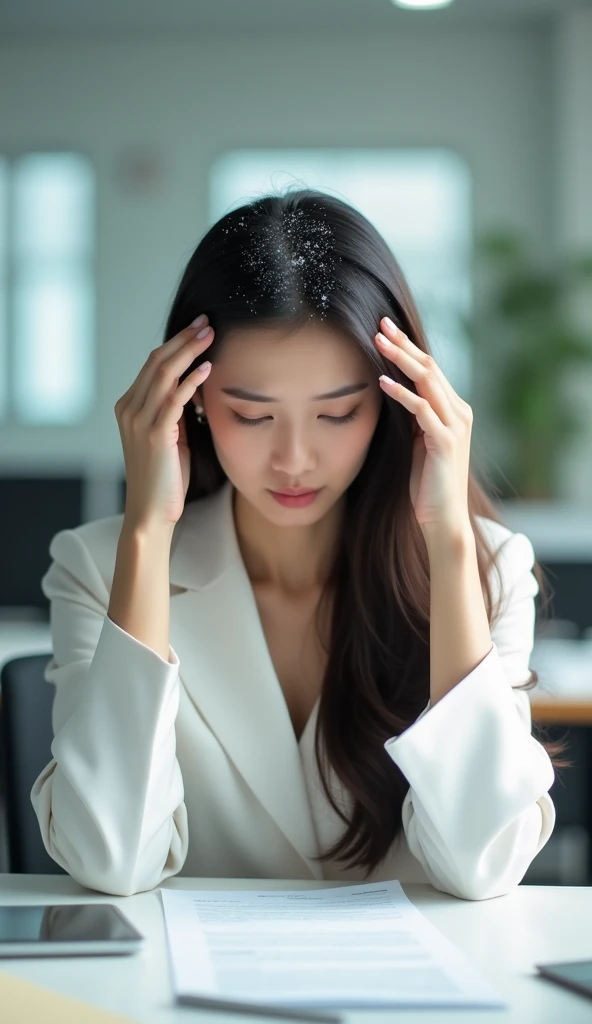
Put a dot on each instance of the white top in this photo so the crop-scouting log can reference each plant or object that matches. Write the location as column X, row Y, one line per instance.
column 192, row 765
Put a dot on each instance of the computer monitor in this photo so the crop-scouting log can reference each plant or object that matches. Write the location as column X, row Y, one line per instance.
column 32, row 510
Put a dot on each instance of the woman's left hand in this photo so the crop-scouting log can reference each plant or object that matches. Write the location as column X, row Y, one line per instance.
column 440, row 468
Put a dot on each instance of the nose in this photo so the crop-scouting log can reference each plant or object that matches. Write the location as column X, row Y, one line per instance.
column 293, row 454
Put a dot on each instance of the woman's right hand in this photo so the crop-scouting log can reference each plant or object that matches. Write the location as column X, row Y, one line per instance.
column 152, row 429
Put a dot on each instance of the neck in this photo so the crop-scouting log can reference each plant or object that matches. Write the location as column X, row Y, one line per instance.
column 294, row 560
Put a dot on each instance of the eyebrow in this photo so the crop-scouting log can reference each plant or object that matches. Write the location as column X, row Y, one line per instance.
column 252, row 396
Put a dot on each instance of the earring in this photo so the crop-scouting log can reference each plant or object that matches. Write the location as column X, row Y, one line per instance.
column 199, row 412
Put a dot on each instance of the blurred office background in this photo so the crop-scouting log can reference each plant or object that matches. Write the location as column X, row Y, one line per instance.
column 464, row 133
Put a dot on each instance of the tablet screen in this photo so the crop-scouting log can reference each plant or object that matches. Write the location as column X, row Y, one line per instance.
column 575, row 972
column 64, row 923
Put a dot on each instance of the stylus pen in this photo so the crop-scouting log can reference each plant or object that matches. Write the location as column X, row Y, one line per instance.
column 263, row 1010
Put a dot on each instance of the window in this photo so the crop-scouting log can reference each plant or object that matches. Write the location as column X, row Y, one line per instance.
column 420, row 201
column 47, row 288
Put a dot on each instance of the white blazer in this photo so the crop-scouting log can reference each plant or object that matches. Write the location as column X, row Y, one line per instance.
column 192, row 766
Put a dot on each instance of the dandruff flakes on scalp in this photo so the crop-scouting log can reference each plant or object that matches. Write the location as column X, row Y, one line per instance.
column 293, row 260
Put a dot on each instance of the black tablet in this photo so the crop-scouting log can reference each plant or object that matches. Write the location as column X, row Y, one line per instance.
column 573, row 974
column 70, row 929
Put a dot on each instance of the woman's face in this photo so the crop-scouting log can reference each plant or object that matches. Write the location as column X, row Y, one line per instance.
column 293, row 439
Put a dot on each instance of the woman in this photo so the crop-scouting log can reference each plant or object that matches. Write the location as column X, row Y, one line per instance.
column 249, row 685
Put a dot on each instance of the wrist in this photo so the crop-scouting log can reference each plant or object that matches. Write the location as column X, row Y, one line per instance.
column 147, row 532
column 456, row 537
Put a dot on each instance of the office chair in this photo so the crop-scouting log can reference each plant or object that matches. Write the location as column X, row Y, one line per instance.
column 25, row 740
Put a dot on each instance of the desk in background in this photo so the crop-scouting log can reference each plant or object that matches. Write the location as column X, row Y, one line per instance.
column 561, row 711
column 503, row 937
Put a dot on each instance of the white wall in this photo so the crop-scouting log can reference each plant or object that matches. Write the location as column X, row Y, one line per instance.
column 487, row 94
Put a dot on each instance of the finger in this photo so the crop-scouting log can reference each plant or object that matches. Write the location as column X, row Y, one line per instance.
column 162, row 370
column 167, row 378
column 428, row 384
column 399, row 338
column 171, row 410
column 135, row 395
column 425, row 415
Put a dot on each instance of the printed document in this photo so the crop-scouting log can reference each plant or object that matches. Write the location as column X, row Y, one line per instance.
column 363, row 945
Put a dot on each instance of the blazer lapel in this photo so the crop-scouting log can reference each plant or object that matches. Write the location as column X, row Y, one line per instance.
column 227, row 669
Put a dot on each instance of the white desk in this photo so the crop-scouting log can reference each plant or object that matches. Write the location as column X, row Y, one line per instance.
column 504, row 937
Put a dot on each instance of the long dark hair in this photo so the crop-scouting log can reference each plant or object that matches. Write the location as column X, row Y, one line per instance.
column 281, row 260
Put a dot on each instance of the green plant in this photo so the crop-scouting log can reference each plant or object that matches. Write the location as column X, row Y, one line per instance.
column 525, row 332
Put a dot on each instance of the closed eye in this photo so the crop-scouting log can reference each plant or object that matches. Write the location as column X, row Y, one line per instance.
column 332, row 419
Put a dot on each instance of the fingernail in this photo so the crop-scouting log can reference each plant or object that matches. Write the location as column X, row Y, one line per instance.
column 389, row 323
column 202, row 334
column 198, row 320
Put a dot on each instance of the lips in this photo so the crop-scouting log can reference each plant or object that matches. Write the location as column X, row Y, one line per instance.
column 297, row 494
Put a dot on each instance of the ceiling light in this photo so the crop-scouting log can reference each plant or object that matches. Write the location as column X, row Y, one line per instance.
column 422, row 4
